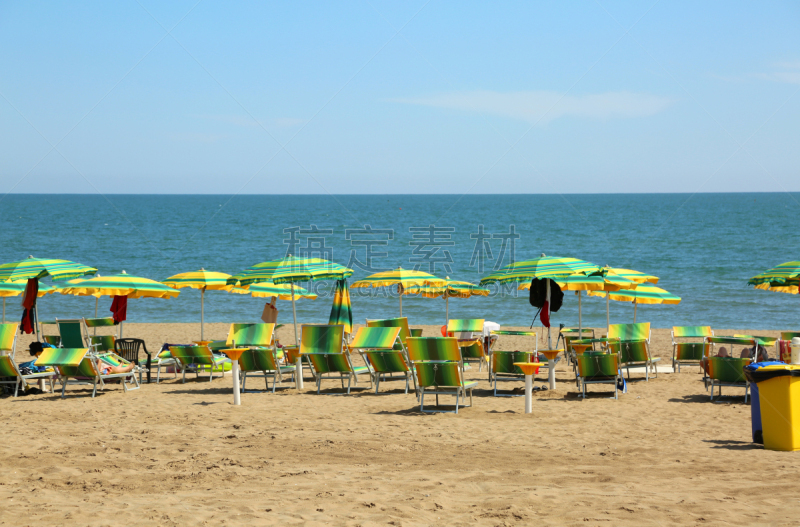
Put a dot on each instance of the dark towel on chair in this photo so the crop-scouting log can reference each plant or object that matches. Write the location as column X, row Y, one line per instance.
column 119, row 308
column 28, row 322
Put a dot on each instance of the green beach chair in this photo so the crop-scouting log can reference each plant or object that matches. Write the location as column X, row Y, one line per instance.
column 400, row 322
column 8, row 339
column 502, row 368
column 729, row 372
column 323, row 345
column 73, row 333
column 9, row 368
column 416, row 332
column 598, row 368
column 376, row 346
column 690, row 351
column 632, row 342
column 76, row 362
column 469, row 332
column 202, row 357
column 569, row 335
column 263, row 361
column 258, row 335
column 439, row 369
column 53, row 340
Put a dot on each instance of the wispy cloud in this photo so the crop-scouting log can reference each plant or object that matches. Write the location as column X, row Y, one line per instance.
column 545, row 106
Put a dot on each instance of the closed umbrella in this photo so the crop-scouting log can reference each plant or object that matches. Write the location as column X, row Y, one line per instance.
column 202, row 280
column 402, row 278
column 341, row 310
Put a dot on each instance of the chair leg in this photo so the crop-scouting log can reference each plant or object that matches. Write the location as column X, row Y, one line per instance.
column 378, row 384
column 349, row 381
column 457, row 400
column 94, row 392
column 422, row 400
column 64, row 386
column 16, row 386
column 184, row 374
column 319, row 380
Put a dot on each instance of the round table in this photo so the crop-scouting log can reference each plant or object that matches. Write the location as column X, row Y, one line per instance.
column 551, row 365
column 529, row 369
column 202, row 342
column 234, row 354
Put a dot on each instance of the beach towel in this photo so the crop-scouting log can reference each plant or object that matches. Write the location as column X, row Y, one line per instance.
column 119, row 308
column 28, row 322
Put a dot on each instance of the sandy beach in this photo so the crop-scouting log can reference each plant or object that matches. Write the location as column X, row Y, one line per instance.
column 182, row 454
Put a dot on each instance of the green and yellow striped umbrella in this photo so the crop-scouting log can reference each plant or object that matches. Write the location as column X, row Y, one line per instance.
column 643, row 294
column 542, row 267
column 451, row 289
column 342, row 310
column 634, row 276
column 784, row 278
column 16, row 288
column 202, row 280
column 40, row 267
column 119, row 285
column 402, row 278
column 268, row 289
column 291, row 269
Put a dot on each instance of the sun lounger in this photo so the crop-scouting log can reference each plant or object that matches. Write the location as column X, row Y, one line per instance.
column 632, row 342
column 323, row 345
column 73, row 334
column 598, row 368
column 502, row 368
column 690, row 351
column 469, row 332
column 201, row 356
column 400, row 322
column 263, row 361
column 569, row 335
column 9, row 368
column 76, row 362
column 729, row 372
column 439, row 369
column 376, row 346
column 8, row 339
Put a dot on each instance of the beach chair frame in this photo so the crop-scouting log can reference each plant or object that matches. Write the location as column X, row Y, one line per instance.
column 324, row 346
column 9, row 368
column 632, row 343
column 469, row 332
column 598, row 368
column 728, row 372
column 503, row 370
column 202, row 357
column 439, row 369
column 568, row 335
column 82, row 328
column 263, row 361
column 495, row 335
column 689, row 348
column 80, row 362
column 378, row 348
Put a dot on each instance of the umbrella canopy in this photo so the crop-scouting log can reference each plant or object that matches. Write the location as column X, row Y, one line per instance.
column 268, row 289
column 201, row 280
column 452, row 288
column 341, row 310
column 119, row 285
column 40, row 267
column 634, row 276
column 402, row 278
column 542, row 267
column 643, row 294
column 291, row 269
column 784, row 278
column 16, row 288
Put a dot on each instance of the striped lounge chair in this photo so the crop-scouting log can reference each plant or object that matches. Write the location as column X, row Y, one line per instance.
column 400, row 322
column 689, row 345
column 633, row 345
column 376, row 346
column 76, row 362
column 323, row 345
column 8, row 339
column 73, row 333
column 598, row 368
column 501, row 368
column 729, row 372
column 569, row 335
column 101, row 342
column 439, row 369
column 202, row 357
column 263, row 358
column 9, row 368
column 469, row 332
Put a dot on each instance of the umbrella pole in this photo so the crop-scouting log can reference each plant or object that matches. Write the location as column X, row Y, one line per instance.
column 4, row 310
column 298, row 365
column 446, row 309
column 549, row 343
column 608, row 318
column 202, row 312
column 634, row 311
column 400, row 294
column 580, row 320
column 96, row 301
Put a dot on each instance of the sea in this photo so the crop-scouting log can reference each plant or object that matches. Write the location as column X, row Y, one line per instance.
column 703, row 247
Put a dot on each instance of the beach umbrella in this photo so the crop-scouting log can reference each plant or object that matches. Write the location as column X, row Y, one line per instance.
column 202, row 280
column 551, row 267
column 784, row 278
column 290, row 270
column 268, row 289
column 643, row 294
column 602, row 280
column 341, row 310
column 451, row 289
column 402, row 278
column 634, row 276
column 38, row 268
column 120, row 285
column 16, row 288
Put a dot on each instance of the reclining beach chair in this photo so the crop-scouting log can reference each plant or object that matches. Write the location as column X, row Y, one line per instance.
column 376, row 346
column 8, row 339
column 633, row 346
column 729, row 372
column 439, row 369
column 598, row 368
column 400, row 322
column 690, row 351
column 202, row 357
column 9, row 368
column 323, row 345
column 263, row 358
column 569, row 335
column 73, row 334
column 101, row 342
column 502, row 368
column 469, row 332
column 75, row 362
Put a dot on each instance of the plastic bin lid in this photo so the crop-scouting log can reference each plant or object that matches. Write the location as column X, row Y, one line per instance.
column 764, row 371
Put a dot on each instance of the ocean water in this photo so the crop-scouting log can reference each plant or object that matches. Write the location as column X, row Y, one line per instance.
column 704, row 247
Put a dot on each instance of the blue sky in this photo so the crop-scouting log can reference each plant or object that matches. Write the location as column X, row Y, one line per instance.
column 399, row 97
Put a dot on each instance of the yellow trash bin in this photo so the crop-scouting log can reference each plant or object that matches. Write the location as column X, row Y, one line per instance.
column 779, row 399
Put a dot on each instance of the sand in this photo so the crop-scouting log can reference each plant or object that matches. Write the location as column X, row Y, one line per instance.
column 182, row 454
